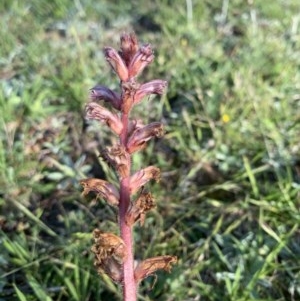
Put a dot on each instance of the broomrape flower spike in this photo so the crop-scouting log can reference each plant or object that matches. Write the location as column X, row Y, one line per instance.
column 114, row 254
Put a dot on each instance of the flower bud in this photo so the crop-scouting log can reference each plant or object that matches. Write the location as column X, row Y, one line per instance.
column 140, row 136
column 149, row 266
column 97, row 112
column 141, row 177
column 116, row 63
column 139, row 208
column 118, row 158
column 103, row 93
column 153, row 87
column 141, row 59
column 129, row 46
column 103, row 189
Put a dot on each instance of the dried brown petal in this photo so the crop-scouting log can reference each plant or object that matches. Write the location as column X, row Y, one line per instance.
column 111, row 267
column 116, row 63
column 108, row 245
column 140, row 136
column 97, row 112
column 102, row 188
column 156, row 86
column 129, row 46
column 151, row 265
column 110, row 252
column 141, row 177
column 118, row 157
column 139, row 208
column 141, row 59
column 103, row 93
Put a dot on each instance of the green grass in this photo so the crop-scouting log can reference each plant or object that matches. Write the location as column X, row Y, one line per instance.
column 229, row 199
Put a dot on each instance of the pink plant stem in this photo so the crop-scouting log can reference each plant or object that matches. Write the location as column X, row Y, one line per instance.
column 129, row 284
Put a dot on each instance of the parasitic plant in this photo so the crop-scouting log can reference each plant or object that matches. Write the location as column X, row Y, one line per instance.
column 114, row 255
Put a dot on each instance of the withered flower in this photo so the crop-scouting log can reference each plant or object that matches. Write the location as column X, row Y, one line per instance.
column 97, row 112
column 118, row 157
column 149, row 266
column 110, row 252
column 156, row 86
column 103, row 188
column 103, row 93
column 141, row 59
column 139, row 208
column 109, row 266
column 140, row 136
column 116, row 62
column 141, row 177
column 129, row 46
column 107, row 245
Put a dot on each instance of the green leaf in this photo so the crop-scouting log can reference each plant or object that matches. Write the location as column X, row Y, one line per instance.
column 20, row 295
column 38, row 289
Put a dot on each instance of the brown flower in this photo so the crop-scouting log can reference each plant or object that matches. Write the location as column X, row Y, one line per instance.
column 151, row 265
column 111, row 267
column 141, row 177
column 97, row 112
column 110, row 252
column 129, row 89
column 140, row 136
column 141, row 59
column 107, row 245
column 103, row 188
column 118, row 157
column 156, row 86
column 129, row 46
column 139, row 208
column 103, row 93
column 116, row 62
